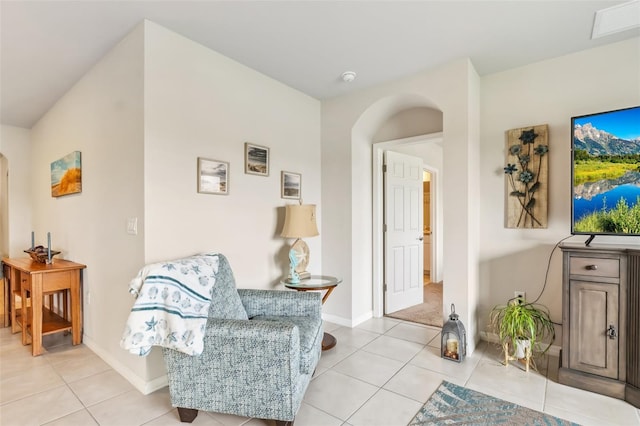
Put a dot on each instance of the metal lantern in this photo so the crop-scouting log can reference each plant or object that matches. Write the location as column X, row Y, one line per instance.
column 454, row 338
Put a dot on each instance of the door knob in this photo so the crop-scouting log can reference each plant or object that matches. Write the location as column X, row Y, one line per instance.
column 420, row 238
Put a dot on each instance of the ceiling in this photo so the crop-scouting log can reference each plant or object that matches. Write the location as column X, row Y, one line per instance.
column 46, row 46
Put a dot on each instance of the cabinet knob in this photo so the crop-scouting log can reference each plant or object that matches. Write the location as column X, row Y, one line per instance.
column 420, row 238
column 611, row 332
column 591, row 267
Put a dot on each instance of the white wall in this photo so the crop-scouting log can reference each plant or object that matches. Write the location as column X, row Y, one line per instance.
column 141, row 117
column 548, row 92
column 102, row 117
column 408, row 123
column 15, row 145
column 199, row 103
column 348, row 125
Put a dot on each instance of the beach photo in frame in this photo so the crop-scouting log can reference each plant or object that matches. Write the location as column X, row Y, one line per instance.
column 213, row 176
column 66, row 175
column 256, row 159
column 291, row 185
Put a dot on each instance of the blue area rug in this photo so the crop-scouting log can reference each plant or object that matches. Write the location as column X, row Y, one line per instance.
column 454, row 405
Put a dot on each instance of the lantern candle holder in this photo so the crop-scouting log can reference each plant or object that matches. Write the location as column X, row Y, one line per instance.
column 454, row 338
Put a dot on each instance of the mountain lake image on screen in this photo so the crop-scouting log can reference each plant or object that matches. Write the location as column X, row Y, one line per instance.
column 606, row 173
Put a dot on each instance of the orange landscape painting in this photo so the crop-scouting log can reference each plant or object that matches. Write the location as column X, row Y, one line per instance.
column 66, row 175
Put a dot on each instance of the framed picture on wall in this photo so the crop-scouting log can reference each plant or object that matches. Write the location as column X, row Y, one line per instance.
column 213, row 176
column 66, row 175
column 256, row 159
column 291, row 185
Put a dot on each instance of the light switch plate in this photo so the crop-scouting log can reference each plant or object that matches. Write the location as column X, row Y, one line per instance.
column 132, row 226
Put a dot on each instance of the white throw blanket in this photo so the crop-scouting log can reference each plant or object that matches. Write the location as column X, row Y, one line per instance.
column 172, row 305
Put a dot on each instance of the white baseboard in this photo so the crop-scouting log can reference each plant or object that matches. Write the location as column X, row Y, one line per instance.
column 346, row 322
column 554, row 350
column 362, row 318
column 145, row 387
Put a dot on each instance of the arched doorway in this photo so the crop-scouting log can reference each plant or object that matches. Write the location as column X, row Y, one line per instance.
column 348, row 125
column 377, row 228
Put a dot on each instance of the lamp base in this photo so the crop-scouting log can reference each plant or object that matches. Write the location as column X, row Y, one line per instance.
column 304, row 275
column 301, row 276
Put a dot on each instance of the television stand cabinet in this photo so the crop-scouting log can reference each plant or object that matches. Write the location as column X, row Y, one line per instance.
column 601, row 320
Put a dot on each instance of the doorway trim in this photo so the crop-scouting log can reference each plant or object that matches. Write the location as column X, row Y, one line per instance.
column 378, row 212
column 435, row 217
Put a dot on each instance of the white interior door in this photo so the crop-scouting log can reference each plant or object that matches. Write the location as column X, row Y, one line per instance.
column 403, row 234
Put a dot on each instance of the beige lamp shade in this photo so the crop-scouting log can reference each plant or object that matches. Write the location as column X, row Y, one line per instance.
column 300, row 221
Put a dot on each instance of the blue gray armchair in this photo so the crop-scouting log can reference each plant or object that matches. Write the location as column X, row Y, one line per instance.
column 261, row 348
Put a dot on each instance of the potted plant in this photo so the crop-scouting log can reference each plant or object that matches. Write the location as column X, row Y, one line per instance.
column 520, row 325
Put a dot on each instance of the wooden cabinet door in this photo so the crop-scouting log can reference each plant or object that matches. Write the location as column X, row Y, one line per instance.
column 593, row 310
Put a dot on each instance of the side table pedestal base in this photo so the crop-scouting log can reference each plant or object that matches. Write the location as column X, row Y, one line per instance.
column 328, row 342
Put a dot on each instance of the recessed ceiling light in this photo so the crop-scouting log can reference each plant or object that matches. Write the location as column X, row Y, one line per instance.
column 615, row 19
column 348, row 76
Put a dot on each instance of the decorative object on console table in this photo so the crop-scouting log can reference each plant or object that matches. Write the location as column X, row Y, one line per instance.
column 299, row 222
column 39, row 253
column 256, row 159
column 317, row 283
column 527, row 177
column 454, row 338
column 66, row 175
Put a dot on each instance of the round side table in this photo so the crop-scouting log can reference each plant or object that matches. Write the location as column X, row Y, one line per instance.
column 318, row 283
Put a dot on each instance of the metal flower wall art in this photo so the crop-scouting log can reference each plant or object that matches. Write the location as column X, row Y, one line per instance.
column 527, row 177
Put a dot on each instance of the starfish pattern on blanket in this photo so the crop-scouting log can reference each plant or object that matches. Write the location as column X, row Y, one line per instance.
column 151, row 324
column 172, row 305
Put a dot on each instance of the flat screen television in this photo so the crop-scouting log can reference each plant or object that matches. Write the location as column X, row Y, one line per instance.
column 605, row 173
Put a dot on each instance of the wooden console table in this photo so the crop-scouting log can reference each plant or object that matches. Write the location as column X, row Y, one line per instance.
column 39, row 279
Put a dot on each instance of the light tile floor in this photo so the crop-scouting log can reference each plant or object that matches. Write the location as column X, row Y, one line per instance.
column 380, row 373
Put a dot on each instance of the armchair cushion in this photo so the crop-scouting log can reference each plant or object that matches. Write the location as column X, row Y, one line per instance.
column 281, row 303
column 225, row 301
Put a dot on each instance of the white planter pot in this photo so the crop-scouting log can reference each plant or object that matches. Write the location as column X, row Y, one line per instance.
column 521, row 348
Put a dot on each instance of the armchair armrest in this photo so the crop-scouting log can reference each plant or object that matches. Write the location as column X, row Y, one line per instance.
column 281, row 303
column 244, row 363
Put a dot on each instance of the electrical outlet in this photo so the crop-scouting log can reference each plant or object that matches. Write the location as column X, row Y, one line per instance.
column 521, row 294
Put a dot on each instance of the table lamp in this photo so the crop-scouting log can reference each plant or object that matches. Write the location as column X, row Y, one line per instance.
column 299, row 222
